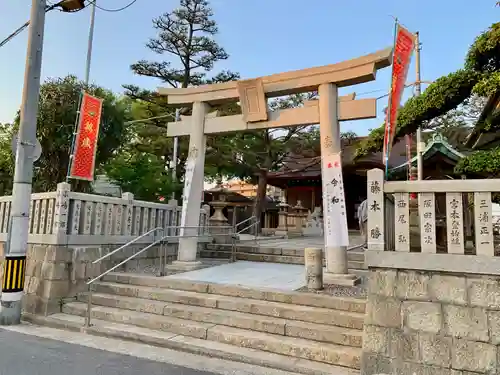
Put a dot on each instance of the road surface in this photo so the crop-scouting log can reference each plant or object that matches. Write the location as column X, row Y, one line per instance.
column 35, row 350
column 22, row 354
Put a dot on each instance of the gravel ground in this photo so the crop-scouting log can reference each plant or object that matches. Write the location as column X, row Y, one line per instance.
column 358, row 291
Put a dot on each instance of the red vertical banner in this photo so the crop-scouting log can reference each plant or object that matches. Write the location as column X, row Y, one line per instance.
column 401, row 58
column 87, row 135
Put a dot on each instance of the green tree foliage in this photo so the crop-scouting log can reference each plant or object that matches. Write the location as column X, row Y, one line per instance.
column 252, row 155
column 57, row 111
column 6, row 159
column 448, row 92
column 483, row 163
column 141, row 173
column 185, row 40
column 140, row 166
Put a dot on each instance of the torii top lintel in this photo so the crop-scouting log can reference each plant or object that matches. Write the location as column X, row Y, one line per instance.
column 346, row 73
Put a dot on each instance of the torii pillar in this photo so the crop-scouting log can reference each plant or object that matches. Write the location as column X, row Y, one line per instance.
column 252, row 95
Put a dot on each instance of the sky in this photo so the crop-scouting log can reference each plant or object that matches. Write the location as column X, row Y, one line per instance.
column 262, row 37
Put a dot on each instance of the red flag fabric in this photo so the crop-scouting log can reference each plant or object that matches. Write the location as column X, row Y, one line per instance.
column 403, row 50
column 84, row 151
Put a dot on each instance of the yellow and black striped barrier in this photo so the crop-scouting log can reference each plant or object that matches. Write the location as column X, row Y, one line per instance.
column 13, row 274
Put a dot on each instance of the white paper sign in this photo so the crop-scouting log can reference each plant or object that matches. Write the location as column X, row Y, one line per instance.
column 188, row 177
column 334, row 205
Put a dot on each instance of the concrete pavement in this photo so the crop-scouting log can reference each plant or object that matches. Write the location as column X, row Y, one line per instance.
column 34, row 350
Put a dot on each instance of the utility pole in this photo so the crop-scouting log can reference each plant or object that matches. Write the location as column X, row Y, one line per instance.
column 17, row 241
column 417, row 93
column 90, row 42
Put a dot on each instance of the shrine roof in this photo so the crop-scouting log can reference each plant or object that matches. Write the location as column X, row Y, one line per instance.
column 308, row 163
column 437, row 145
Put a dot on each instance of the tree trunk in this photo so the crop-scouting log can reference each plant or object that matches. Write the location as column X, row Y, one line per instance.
column 260, row 198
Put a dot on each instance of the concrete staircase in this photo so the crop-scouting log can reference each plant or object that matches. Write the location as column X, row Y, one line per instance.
column 355, row 257
column 292, row 331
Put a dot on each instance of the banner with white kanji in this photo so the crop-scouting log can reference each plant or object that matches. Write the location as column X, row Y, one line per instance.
column 334, row 205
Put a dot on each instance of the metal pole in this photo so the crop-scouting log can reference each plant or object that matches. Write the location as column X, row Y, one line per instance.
column 86, row 81
column 15, row 260
column 417, row 93
column 176, row 148
column 90, row 42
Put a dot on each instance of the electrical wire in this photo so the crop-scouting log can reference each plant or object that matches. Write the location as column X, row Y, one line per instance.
column 93, row 2
column 53, row 6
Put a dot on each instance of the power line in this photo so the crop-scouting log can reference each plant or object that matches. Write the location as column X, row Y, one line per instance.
column 26, row 24
column 112, row 10
column 53, row 6
column 151, row 118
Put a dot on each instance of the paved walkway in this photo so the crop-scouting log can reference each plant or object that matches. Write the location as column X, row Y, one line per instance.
column 250, row 274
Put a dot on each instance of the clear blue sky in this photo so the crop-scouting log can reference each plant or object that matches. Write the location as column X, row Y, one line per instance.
column 261, row 36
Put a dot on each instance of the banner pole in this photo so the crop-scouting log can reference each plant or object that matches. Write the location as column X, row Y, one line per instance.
column 73, row 138
column 388, row 115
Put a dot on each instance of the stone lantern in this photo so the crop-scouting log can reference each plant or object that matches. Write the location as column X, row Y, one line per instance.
column 283, row 217
column 300, row 216
column 218, row 219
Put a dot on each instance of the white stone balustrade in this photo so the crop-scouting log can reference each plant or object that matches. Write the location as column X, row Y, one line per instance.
column 71, row 218
column 389, row 231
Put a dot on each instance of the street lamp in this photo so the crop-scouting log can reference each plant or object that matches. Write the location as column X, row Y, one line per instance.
column 67, row 6
column 71, row 5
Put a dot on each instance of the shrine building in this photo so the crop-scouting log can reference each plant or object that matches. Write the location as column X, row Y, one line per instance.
column 302, row 182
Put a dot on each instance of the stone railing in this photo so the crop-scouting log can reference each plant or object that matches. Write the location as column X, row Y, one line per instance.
column 433, row 303
column 64, row 217
column 462, row 196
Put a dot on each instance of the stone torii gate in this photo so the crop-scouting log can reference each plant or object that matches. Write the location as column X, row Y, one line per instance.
column 252, row 95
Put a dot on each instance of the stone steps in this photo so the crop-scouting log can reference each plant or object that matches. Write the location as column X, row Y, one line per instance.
column 319, row 329
column 192, row 345
column 352, row 264
column 307, row 349
column 310, row 331
column 355, row 258
column 286, row 297
column 347, row 319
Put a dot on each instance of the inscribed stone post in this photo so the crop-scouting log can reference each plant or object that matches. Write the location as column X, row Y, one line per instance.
column 402, row 221
column 313, row 260
column 483, row 224
column 335, row 250
column 455, row 223
column 375, row 201
column 427, row 213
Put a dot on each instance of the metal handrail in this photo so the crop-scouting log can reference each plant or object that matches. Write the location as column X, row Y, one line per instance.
column 127, row 244
column 162, row 264
column 154, row 230
column 248, row 227
column 244, row 221
column 124, row 261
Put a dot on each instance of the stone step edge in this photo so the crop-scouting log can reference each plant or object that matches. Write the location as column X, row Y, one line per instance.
column 263, row 256
column 339, row 355
column 351, row 255
column 195, row 346
column 224, row 299
column 271, row 295
column 263, row 318
column 270, row 250
column 81, row 308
